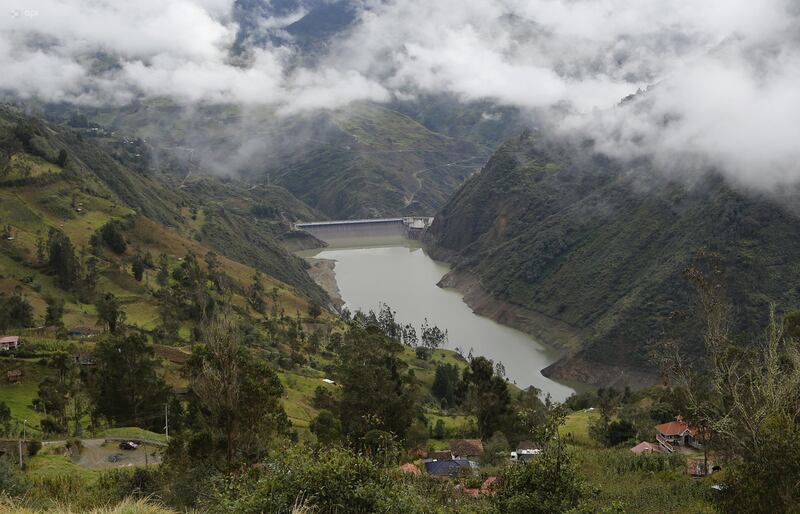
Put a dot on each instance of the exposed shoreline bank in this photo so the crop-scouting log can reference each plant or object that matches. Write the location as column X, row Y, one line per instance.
column 323, row 272
column 554, row 333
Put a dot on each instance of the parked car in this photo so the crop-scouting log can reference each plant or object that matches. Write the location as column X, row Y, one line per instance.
column 128, row 445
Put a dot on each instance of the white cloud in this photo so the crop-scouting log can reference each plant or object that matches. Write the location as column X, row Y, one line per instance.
column 726, row 70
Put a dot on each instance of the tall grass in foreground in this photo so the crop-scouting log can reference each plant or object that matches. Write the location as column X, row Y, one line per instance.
column 127, row 506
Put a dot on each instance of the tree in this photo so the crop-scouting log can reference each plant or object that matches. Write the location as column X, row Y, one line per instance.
column 163, row 270
column 314, row 310
column 327, row 428
column 5, row 415
column 63, row 396
column 486, row 395
column 496, row 449
column 445, row 383
column 61, row 259
column 237, row 394
column 16, row 311
column 323, row 399
column 748, row 400
column 54, row 315
column 61, row 160
column 125, row 385
column 548, row 483
column 138, row 267
column 41, row 249
column 607, row 403
column 257, row 293
column 111, row 235
column 439, row 430
column 109, row 313
column 544, row 485
column 432, row 336
column 375, row 392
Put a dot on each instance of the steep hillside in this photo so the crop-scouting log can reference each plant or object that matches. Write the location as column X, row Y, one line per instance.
column 591, row 256
column 54, row 179
column 364, row 161
column 375, row 162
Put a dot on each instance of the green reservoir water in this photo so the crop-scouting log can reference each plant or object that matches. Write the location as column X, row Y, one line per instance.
column 400, row 274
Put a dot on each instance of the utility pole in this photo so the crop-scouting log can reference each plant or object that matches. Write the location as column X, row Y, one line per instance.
column 166, row 419
column 19, row 446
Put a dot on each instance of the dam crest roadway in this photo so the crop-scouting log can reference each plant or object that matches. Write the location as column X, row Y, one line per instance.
column 411, row 227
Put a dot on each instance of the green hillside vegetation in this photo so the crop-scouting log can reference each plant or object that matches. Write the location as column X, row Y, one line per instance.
column 576, row 240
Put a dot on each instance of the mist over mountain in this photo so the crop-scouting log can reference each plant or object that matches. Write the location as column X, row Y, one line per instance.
column 550, row 59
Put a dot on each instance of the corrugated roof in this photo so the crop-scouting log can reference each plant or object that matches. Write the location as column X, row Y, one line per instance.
column 443, row 468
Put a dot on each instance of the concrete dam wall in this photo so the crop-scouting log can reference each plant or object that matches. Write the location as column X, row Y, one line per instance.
column 380, row 228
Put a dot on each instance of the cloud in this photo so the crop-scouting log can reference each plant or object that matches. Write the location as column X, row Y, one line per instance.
column 723, row 72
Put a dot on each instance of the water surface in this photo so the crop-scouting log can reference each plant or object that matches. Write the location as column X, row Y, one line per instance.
column 404, row 277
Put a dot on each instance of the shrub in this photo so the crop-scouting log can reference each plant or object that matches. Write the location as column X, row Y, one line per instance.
column 33, row 447
column 331, row 481
column 111, row 235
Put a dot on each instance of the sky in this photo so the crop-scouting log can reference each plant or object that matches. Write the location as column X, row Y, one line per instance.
column 720, row 76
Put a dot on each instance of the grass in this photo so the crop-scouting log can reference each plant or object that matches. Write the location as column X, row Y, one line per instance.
column 576, row 427
column 24, row 165
column 299, row 391
column 127, row 506
column 52, row 465
column 660, row 492
column 135, row 433
column 19, row 396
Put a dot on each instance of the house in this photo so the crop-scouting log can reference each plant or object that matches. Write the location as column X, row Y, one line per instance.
column 526, row 450
column 466, row 448
column 646, row 448
column 14, row 376
column 679, row 433
column 448, row 468
column 9, row 343
column 440, row 455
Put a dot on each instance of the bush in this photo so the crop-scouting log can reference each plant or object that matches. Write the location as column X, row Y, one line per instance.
column 112, row 236
column 12, row 482
column 546, row 484
column 33, row 447
column 331, row 481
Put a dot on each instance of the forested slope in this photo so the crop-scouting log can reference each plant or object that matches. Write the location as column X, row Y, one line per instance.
column 582, row 241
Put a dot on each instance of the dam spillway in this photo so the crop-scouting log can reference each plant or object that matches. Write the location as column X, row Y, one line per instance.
column 328, row 231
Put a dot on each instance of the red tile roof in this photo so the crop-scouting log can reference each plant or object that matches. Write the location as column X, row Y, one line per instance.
column 672, row 428
column 9, row 339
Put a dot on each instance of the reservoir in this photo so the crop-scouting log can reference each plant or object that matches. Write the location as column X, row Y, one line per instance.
column 398, row 272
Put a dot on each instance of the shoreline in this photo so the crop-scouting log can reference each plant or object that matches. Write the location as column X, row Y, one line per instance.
column 565, row 338
column 323, row 273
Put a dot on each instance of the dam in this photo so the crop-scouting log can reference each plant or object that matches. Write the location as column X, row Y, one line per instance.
column 411, row 227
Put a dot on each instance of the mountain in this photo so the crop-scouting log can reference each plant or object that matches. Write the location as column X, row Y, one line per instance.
column 363, row 161
column 590, row 255
column 61, row 178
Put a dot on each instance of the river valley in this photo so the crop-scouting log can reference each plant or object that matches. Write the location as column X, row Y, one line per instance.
column 399, row 273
